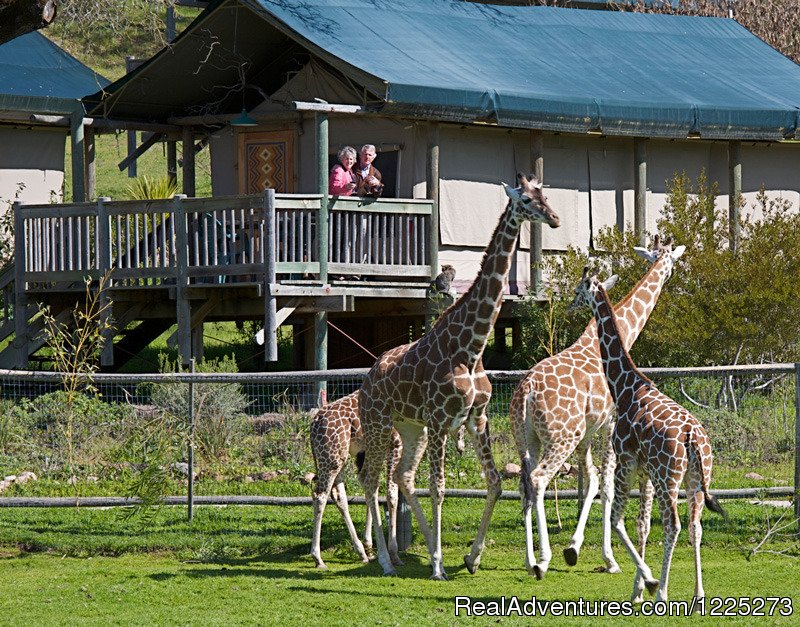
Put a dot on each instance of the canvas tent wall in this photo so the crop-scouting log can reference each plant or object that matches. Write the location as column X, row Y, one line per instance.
column 37, row 78
column 594, row 83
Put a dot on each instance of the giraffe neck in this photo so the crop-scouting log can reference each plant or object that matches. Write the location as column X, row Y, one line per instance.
column 634, row 310
column 472, row 317
column 621, row 373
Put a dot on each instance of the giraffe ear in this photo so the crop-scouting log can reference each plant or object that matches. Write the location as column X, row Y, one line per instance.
column 679, row 250
column 511, row 192
column 610, row 282
column 645, row 254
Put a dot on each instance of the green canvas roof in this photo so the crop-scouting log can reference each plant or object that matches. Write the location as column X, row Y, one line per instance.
column 38, row 76
column 518, row 66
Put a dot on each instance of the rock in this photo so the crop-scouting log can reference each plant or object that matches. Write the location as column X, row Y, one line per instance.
column 92, row 479
column 308, row 478
column 249, row 479
column 754, row 476
column 26, row 476
column 511, row 470
column 269, row 475
column 266, row 422
column 182, row 468
column 4, row 485
column 10, row 478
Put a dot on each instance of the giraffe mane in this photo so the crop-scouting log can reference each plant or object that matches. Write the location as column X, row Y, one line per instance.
column 613, row 321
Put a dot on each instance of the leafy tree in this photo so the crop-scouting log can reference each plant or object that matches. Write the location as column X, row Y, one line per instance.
column 719, row 307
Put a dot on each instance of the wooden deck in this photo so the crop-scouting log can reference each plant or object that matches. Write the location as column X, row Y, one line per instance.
column 187, row 256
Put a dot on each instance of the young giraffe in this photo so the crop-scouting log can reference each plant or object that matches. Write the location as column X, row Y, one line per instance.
column 336, row 434
column 656, row 436
column 561, row 402
column 434, row 385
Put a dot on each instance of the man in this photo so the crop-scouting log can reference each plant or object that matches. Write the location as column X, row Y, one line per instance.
column 368, row 177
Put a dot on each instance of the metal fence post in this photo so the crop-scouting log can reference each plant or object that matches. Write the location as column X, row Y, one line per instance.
column 797, row 445
column 190, row 454
column 404, row 533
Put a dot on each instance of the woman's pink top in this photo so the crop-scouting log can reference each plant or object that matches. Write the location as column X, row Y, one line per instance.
column 339, row 181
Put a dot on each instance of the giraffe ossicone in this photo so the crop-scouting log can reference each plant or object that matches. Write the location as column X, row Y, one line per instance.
column 431, row 387
column 561, row 403
column 655, row 436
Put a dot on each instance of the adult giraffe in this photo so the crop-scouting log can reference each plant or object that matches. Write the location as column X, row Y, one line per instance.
column 429, row 388
column 654, row 436
column 562, row 401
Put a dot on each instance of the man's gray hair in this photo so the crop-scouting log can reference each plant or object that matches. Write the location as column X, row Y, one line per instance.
column 368, row 147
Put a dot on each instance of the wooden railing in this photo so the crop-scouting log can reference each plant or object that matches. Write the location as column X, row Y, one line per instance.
column 222, row 239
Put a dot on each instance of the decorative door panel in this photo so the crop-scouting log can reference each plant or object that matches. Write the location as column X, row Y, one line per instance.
column 266, row 159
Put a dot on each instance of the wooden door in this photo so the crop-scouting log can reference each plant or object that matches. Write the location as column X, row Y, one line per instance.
column 266, row 159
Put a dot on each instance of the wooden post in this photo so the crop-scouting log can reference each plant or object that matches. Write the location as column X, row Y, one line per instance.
column 188, row 161
column 640, row 190
column 321, row 317
column 537, row 161
column 432, row 192
column 130, row 65
column 91, row 170
column 190, row 448
column 270, row 278
column 734, row 192
column 172, row 160
column 20, row 297
column 78, row 163
column 183, row 310
column 104, row 265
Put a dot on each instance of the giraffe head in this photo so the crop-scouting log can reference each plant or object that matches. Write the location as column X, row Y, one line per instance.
column 528, row 202
column 661, row 250
column 586, row 292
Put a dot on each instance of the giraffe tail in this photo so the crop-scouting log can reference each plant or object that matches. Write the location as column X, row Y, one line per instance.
column 698, row 439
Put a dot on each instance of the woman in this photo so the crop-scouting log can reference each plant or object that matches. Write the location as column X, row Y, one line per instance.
column 342, row 181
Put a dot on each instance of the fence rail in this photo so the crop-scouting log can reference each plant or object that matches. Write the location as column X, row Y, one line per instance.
column 750, row 412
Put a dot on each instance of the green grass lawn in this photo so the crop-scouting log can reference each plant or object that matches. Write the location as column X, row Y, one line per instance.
column 249, row 565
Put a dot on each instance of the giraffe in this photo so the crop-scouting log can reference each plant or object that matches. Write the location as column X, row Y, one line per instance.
column 429, row 388
column 335, row 434
column 561, row 402
column 653, row 436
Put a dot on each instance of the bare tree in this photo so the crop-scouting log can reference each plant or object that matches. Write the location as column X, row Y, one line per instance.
column 18, row 17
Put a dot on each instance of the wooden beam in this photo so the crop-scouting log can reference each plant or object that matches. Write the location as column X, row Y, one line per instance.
column 188, row 161
column 734, row 193
column 76, row 135
column 270, row 277
column 134, row 154
column 89, row 157
column 640, row 190
column 537, row 163
column 432, row 192
column 325, row 107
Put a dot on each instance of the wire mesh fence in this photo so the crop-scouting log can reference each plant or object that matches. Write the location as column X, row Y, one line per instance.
column 250, row 431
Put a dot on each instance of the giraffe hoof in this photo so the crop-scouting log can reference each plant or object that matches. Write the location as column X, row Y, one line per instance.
column 571, row 556
column 539, row 572
column 440, row 577
column 390, row 573
column 322, row 566
column 651, row 585
column 614, row 569
column 396, row 561
column 471, row 567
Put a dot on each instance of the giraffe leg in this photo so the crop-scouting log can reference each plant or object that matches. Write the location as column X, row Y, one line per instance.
column 321, row 491
column 552, row 460
column 644, row 577
column 340, row 495
column 607, row 498
column 643, row 530
column 494, row 488
column 573, row 550
column 374, row 454
column 668, row 505
column 529, row 457
column 694, row 497
column 368, row 531
column 645, row 511
column 436, row 460
column 392, row 461
column 414, row 442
